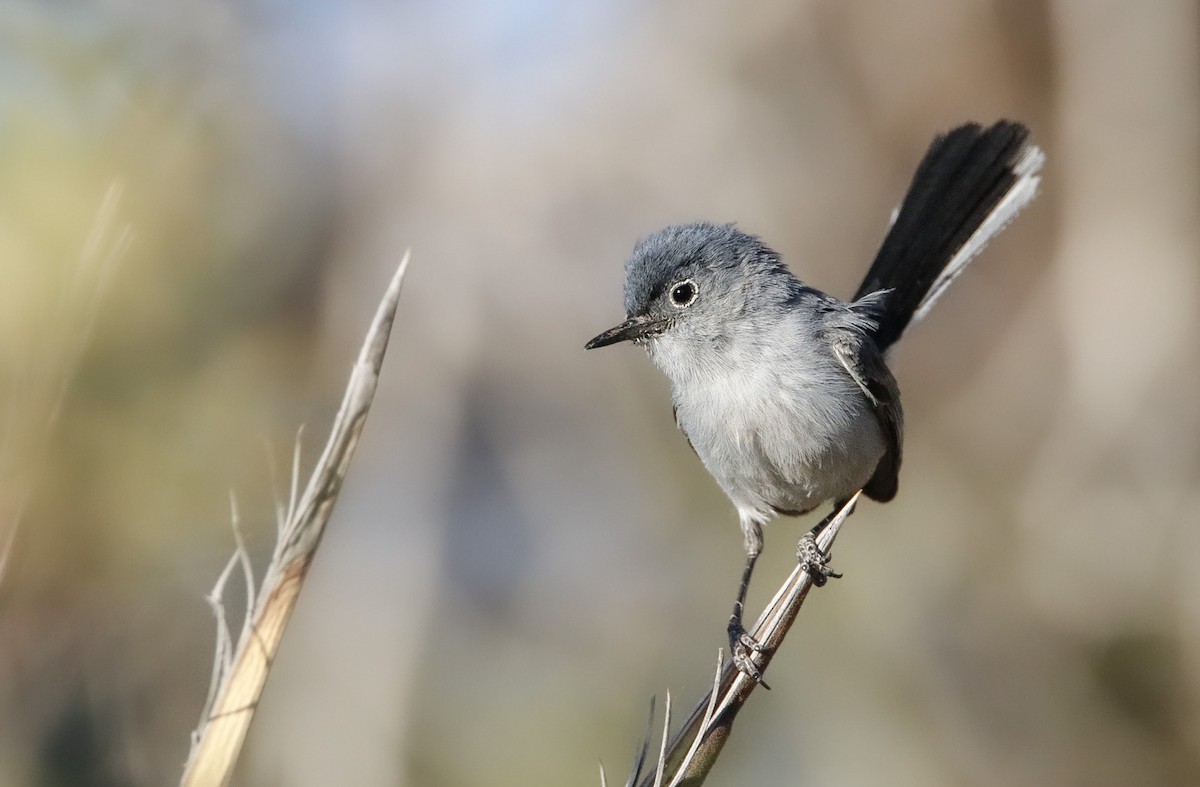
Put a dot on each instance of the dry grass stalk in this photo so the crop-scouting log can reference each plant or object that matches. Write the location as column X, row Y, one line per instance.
column 687, row 758
column 35, row 400
column 240, row 670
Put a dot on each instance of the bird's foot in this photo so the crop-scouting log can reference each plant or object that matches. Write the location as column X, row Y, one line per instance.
column 742, row 647
column 814, row 561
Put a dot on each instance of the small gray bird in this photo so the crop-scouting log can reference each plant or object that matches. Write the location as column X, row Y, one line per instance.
column 782, row 390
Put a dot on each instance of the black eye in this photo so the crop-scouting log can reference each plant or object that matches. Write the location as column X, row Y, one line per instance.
column 683, row 293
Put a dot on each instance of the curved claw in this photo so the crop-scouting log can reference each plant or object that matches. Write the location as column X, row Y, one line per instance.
column 814, row 561
column 742, row 646
column 739, row 636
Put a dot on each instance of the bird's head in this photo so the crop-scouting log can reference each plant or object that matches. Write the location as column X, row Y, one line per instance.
column 695, row 280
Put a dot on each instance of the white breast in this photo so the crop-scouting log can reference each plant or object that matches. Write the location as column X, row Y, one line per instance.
column 776, row 432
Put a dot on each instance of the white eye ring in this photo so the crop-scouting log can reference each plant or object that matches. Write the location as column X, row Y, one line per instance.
column 683, row 294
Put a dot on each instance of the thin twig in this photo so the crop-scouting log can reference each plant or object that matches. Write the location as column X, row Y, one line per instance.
column 40, row 389
column 662, row 752
column 693, row 751
column 218, row 740
column 706, row 720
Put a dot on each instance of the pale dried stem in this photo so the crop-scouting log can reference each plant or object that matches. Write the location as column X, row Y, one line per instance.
column 239, row 680
column 690, row 755
column 36, row 400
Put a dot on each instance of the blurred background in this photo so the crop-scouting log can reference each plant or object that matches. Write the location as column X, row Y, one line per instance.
column 200, row 204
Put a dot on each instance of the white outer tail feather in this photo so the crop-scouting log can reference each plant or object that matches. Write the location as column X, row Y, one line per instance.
column 1028, row 164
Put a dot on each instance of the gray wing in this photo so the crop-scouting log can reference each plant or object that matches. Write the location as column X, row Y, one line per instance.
column 858, row 354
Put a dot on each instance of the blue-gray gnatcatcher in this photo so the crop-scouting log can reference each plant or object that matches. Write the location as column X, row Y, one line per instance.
column 782, row 390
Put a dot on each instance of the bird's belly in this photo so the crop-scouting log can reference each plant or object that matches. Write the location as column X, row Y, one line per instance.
column 771, row 458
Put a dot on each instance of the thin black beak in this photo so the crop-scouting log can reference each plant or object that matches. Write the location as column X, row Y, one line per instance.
column 631, row 330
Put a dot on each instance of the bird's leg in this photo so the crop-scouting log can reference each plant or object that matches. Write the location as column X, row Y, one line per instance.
column 811, row 558
column 741, row 644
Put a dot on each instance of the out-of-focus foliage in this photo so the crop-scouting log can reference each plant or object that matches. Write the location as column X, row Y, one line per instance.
column 526, row 549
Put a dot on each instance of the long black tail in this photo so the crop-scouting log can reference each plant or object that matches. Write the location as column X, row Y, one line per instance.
column 970, row 184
